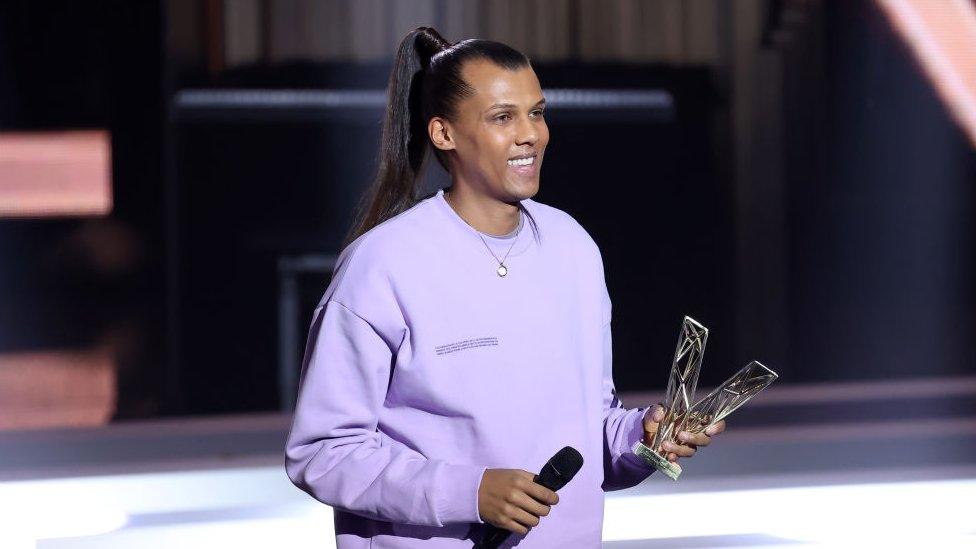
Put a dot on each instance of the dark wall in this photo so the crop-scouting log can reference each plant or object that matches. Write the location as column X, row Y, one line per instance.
column 879, row 185
column 654, row 196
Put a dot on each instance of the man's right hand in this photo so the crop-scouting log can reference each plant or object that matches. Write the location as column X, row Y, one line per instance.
column 510, row 499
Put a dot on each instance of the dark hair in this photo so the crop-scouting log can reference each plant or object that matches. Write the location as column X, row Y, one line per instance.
column 425, row 82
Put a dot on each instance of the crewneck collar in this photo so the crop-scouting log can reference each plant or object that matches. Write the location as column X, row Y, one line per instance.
column 523, row 236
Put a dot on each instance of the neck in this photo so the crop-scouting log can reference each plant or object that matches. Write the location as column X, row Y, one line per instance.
column 485, row 214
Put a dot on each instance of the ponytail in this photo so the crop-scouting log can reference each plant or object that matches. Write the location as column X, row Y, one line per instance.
column 403, row 147
column 425, row 82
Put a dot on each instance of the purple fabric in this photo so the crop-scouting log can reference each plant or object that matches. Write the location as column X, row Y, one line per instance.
column 423, row 368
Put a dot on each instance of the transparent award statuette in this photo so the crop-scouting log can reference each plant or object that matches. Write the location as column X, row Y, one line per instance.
column 729, row 396
column 679, row 398
column 716, row 406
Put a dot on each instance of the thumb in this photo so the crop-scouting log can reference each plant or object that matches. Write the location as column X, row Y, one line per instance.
column 658, row 415
column 652, row 419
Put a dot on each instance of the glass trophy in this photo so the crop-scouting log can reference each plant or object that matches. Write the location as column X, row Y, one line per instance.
column 680, row 414
column 678, row 399
column 729, row 396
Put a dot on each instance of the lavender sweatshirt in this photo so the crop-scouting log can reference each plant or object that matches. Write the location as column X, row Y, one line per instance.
column 423, row 368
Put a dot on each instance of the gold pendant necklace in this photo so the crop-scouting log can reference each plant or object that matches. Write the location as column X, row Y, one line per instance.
column 502, row 270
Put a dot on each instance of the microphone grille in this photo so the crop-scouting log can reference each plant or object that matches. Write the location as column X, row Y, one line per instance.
column 567, row 461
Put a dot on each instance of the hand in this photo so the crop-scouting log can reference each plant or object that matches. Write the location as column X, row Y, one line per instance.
column 510, row 499
column 691, row 441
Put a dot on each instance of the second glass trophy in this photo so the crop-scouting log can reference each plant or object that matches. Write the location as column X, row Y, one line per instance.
column 682, row 413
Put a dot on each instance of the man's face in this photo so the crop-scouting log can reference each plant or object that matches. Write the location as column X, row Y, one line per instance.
column 496, row 128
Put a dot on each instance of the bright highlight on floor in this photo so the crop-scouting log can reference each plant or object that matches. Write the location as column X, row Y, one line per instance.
column 258, row 507
column 866, row 515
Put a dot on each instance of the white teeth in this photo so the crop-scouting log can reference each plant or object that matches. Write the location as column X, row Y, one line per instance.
column 522, row 161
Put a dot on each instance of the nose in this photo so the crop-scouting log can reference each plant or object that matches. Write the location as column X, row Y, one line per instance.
column 528, row 134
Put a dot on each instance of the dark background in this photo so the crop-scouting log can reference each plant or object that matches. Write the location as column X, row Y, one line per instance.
column 844, row 251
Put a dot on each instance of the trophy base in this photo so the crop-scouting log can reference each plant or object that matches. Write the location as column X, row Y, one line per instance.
column 672, row 470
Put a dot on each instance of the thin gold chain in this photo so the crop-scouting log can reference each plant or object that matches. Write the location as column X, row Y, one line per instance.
column 501, row 262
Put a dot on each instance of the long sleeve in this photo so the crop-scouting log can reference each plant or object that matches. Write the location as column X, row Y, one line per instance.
column 335, row 452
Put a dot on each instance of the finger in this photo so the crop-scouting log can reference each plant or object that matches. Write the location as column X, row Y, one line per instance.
column 541, row 494
column 672, row 458
column 679, row 449
column 653, row 417
column 650, row 428
column 526, row 475
column 648, row 438
column 694, row 439
column 514, row 526
column 528, row 503
column 718, row 428
column 525, row 518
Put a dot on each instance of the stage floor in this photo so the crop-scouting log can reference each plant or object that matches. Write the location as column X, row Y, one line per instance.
column 883, row 464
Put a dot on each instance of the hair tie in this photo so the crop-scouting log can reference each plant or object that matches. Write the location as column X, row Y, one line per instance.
column 430, row 44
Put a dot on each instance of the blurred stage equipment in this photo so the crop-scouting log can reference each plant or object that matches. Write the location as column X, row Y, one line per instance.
column 289, row 318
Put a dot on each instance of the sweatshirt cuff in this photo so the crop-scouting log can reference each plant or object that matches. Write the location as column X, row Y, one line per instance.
column 458, row 500
column 634, row 432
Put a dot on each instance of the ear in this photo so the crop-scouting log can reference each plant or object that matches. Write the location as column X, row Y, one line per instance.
column 440, row 133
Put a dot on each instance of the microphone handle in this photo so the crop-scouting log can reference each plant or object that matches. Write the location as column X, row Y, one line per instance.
column 495, row 536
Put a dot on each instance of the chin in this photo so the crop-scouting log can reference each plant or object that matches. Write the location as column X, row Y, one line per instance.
column 523, row 190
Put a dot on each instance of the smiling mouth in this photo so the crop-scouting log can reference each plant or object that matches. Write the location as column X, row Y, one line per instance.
column 518, row 162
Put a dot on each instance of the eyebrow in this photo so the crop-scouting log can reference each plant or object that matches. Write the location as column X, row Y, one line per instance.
column 513, row 106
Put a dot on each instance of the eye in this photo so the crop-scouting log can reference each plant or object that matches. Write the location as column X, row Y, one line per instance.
column 502, row 116
column 540, row 112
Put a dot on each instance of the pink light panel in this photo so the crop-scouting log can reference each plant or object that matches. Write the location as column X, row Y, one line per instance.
column 942, row 35
column 52, row 174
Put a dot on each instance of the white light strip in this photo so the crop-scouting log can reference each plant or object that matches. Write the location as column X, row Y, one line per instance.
column 928, row 513
column 345, row 99
column 91, row 506
column 258, row 507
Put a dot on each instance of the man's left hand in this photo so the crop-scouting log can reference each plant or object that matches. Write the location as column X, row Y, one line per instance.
column 690, row 441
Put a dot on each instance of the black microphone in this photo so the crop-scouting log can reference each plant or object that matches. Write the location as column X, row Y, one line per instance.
column 559, row 470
